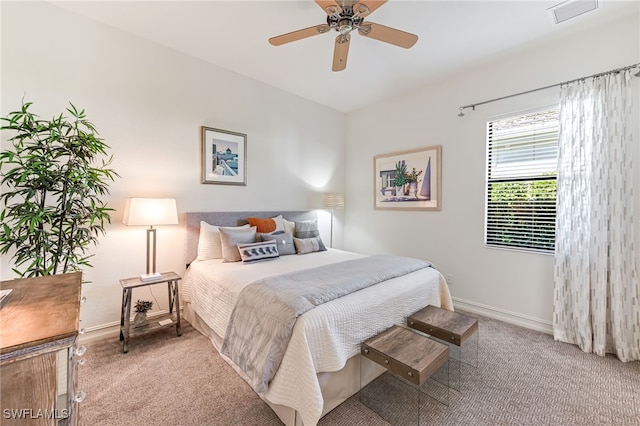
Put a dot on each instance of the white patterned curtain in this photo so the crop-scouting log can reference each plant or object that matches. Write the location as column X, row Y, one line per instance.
column 597, row 288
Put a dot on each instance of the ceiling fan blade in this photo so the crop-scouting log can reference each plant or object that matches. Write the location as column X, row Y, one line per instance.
column 367, row 7
column 324, row 4
column 388, row 34
column 299, row 34
column 340, row 52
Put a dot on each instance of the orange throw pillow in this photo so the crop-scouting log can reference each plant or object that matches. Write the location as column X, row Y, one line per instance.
column 262, row 225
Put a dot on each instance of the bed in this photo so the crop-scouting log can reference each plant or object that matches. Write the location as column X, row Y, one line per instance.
column 320, row 367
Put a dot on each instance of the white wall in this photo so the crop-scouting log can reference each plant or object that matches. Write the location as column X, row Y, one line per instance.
column 148, row 102
column 515, row 285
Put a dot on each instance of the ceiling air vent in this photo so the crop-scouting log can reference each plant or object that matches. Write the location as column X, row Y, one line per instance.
column 571, row 8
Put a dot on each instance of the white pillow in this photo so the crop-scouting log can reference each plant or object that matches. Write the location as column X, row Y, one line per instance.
column 279, row 223
column 289, row 226
column 209, row 243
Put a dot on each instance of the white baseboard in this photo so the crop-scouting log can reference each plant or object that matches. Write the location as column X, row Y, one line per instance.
column 105, row 331
column 109, row 330
column 112, row 330
column 504, row 315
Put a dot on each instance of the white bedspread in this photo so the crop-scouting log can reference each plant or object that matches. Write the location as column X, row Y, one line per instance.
column 324, row 338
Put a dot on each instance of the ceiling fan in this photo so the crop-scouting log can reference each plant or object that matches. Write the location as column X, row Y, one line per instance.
column 345, row 16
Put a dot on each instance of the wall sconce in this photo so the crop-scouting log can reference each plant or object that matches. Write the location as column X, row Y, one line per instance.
column 150, row 211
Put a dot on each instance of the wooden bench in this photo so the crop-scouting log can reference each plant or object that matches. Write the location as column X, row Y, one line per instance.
column 413, row 358
column 453, row 328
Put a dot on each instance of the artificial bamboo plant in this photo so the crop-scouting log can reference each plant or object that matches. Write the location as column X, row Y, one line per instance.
column 54, row 179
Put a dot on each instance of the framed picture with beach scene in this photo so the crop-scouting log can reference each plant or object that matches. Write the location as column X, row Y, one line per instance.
column 408, row 180
column 224, row 157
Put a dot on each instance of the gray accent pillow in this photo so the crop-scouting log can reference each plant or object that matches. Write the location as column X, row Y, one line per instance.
column 309, row 245
column 283, row 239
column 231, row 237
column 256, row 252
column 306, row 229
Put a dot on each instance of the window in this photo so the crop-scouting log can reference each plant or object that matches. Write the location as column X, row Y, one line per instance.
column 522, row 156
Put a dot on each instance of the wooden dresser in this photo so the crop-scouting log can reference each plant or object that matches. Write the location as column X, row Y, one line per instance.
column 39, row 325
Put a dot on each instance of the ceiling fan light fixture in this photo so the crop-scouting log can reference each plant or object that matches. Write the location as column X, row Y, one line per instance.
column 345, row 26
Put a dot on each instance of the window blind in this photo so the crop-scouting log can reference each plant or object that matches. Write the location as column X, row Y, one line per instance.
column 522, row 155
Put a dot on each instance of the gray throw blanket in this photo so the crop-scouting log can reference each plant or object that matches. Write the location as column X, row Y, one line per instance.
column 266, row 311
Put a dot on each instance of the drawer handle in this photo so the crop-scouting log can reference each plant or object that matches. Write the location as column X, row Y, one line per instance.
column 412, row 323
column 410, row 374
column 366, row 351
column 431, row 330
column 453, row 338
column 386, row 361
column 80, row 396
column 80, row 350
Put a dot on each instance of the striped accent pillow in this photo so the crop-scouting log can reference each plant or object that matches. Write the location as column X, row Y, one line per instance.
column 308, row 245
column 255, row 252
column 306, row 229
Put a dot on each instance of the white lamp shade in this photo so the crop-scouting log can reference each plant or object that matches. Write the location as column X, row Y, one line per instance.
column 331, row 200
column 150, row 211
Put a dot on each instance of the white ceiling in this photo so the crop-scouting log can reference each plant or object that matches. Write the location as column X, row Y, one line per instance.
column 452, row 35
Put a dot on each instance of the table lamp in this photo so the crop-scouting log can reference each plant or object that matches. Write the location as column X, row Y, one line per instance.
column 151, row 212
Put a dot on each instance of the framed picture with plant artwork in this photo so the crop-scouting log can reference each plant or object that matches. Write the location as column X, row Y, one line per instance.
column 224, row 157
column 408, row 180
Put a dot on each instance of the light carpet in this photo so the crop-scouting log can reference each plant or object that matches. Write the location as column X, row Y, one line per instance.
column 523, row 378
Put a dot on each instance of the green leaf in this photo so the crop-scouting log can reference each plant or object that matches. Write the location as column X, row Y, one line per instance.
column 55, row 174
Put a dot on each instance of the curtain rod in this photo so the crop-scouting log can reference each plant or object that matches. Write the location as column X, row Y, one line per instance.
column 473, row 106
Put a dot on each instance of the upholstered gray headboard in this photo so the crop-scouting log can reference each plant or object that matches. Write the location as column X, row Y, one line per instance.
column 192, row 222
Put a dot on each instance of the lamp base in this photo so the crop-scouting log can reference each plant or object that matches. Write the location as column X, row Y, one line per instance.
column 150, row 277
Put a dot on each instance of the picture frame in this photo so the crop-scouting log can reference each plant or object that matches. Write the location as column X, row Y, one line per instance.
column 223, row 157
column 408, row 180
